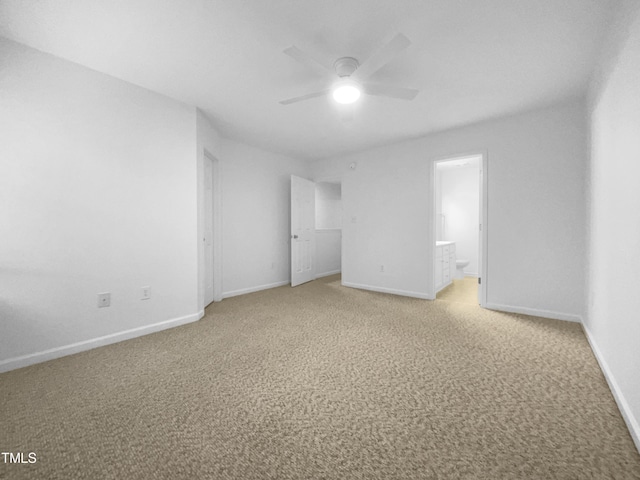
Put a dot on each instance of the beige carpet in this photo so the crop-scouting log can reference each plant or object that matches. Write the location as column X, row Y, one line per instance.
column 324, row 382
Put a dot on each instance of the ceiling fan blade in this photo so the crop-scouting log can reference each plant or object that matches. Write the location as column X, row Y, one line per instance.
column 306, row 59
column 382, row 57
column 304, row 97
column 390, row 91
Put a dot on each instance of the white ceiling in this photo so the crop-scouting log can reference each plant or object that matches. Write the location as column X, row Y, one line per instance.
column 471, row 60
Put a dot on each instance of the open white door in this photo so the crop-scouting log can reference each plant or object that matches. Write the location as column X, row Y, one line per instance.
column 303, row 230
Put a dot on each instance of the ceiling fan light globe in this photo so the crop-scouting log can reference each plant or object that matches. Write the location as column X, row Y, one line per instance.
column 346, row 93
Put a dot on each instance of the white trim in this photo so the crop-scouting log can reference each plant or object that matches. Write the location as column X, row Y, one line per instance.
column 623, row 405
column 393, row 291
column 242, row 291
column 52, row 353
column 217, row 225
column 328, row 179
column 569, row 317
column 484, row 218
column 326, row 274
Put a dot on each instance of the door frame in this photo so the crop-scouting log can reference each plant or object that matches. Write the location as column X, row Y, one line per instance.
column 217, row 228
column 483, row 257
column 337, row 179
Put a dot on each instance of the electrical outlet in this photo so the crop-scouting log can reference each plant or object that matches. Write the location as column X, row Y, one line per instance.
column 146, row 293
column 382, row 268
column 104, row 299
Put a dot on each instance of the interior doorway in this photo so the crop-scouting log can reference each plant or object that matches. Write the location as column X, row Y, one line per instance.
column 211, row 230
column 459, row 213
column 328, row 228
column 316, row 229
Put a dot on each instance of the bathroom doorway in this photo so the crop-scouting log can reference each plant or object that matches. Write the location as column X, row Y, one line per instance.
column 459, row 213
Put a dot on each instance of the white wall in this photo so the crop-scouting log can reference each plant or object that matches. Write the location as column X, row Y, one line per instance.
column 328, row 228
column 101, row 185
column 328, row 252
column 97, row 194
column 536, row 164
column 256, row 212
column 614, row 196
column 328, row 206
column 460, row 194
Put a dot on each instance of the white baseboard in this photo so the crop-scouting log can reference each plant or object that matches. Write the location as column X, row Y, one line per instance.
column 404, row 293
column 50, row 354
column 326, row 274
column 242, row 291
column 534, row 312
column 632, row 423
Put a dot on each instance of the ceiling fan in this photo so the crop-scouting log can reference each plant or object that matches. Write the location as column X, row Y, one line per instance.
column 352, row 76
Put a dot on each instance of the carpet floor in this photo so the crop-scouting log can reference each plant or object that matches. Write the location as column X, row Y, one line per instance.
column 324, row 382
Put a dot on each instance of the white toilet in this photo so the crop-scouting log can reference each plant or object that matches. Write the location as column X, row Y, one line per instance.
column 460, row 264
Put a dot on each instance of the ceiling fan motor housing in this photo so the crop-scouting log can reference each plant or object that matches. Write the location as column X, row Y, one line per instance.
column 345, row 66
